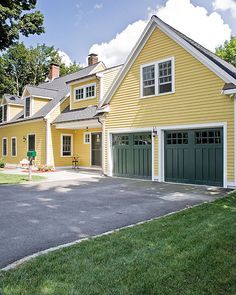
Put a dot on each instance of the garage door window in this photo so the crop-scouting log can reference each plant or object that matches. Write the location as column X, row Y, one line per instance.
column 177, row 138
column 142, row 140
column 121, row 140
column 207, row 137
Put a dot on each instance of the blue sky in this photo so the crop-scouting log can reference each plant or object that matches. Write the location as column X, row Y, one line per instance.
column 74, row 26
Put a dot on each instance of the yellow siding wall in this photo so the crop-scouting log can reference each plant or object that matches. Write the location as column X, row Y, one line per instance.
column 197, row 97
column 38, row 104
column 108, row 78
column 79, row 147
column 15, row 110
column 19, row 131
column 84, row 102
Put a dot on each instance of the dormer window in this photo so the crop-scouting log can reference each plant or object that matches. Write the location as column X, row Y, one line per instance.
column 157, row 78
column 27, row 107
column 3, row 113
column 85, row 92
column 0, row 114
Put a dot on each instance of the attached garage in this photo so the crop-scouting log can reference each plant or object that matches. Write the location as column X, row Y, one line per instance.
column 132, row 155
column 194, row 156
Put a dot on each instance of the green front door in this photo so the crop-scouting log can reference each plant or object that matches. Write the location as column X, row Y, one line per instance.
column 132, row 155
column 194, row 156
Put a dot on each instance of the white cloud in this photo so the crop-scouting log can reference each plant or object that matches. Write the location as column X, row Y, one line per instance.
column 225, row 5
column 98, row 6
column 65, row 58
column 194, row 21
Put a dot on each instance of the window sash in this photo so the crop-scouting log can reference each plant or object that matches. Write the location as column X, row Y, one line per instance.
column 0, row 114
column 13, row 147
column 85, row 92
column 86, row 137
column 157, row 78
column 66, row 145
column 4, row 113
column 27, row 106
column 31, row 142
column 4, row 147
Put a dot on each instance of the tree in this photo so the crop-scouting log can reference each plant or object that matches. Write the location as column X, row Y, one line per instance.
column 228, row 51
column 20, row 66
column 14, row 20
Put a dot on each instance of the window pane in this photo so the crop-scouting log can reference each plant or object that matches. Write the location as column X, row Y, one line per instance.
column 5, row 113
column 79, row 93
column 0, row 114
column 27, row 106
column 149, row 80
column 13, row 147
column 66, row 146
column 31, row 142
column 90, row 91
column 165, row 77
column 4, row 147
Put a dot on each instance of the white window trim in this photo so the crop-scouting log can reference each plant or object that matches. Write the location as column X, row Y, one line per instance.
column 31, row 107
column 84, row 88
column 87, row 133
column 14, row 137
column 71, row 155
column 155, row 63
column 6, row 146
column 28, row 140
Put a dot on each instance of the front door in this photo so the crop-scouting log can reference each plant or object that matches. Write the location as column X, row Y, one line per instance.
column 97, row 149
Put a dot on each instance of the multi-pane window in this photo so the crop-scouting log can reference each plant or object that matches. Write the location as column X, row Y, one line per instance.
column 87, row 91
column 79, row 93
column 177, row 138
column 66, row 145
column 13, row 147
column 31, row 142
column 5, row 113
column 4, row 147
column 157, row 78
column 0, row 114
column 86, row 137
column 165, row 77
column 208, row 137
column 27, row 106
column 120, row 140
column 149, row 80
column 143, row 139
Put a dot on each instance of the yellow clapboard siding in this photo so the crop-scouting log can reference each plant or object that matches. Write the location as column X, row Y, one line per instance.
column 38, row 104
column 22, row 130
column 197, row 98
column 14, row 110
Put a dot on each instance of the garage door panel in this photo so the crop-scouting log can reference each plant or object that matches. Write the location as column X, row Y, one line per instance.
column 194, row 156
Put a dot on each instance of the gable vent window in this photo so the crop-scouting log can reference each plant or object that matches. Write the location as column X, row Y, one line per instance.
column 157, row 78
column 27, row 106
column 85, row 92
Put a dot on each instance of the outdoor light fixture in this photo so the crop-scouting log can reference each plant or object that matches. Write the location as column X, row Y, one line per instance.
column 24, row 138
column 154, row 131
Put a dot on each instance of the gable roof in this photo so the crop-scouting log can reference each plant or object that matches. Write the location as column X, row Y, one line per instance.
column 221, row 68
column 56, row 89
column 13, row 99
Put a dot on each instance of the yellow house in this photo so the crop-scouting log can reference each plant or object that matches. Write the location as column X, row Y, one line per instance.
column 170, row 112
column 57, row 118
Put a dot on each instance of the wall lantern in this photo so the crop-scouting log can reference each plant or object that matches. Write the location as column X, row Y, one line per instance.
column 24, row 138
column 154, row 131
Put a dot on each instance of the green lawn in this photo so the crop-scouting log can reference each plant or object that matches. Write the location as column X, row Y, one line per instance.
column 16, row 178
column 192, row 252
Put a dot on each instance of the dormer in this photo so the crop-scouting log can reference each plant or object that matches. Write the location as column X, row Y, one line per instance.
column 35, row 98
column 10, row 107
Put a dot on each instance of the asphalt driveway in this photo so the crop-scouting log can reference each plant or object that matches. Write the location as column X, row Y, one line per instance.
column 38, row 216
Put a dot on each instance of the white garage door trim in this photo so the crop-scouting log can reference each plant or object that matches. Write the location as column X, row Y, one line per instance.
column 161, row 131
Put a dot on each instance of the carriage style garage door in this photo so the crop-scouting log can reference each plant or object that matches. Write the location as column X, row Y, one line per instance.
column 194, row 156
column 132, row 155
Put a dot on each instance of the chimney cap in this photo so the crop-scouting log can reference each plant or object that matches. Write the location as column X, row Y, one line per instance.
column 54, row 64
column 93, row 54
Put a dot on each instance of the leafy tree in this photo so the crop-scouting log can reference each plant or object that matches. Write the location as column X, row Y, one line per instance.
column 20, row 65
column 228, row 51
column 14, row 20
column 65, row 70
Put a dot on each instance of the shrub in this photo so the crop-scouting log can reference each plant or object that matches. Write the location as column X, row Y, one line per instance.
column 2, row 163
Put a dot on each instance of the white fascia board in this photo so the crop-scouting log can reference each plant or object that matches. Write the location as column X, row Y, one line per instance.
column 229, row 91
column 41, row 96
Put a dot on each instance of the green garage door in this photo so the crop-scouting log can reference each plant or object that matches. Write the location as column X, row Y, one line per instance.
column 132, row 155
column 194, row 156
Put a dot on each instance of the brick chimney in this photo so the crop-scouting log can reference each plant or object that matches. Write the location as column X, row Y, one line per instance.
column 54, row 71
column 92, row 59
